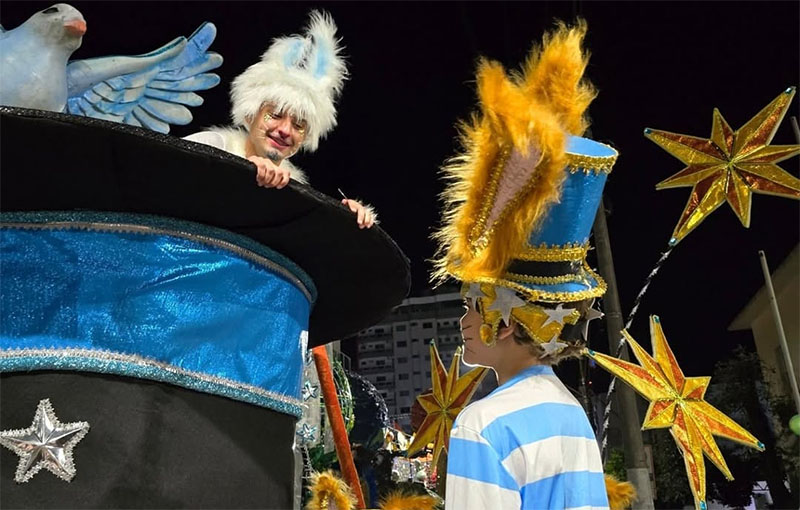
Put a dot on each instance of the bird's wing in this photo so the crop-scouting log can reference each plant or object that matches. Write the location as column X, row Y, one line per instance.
column 151, row 90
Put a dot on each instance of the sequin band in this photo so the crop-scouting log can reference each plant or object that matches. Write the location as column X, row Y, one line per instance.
column 544, row 253
column 545, row 295
column 596, row 164
column 107, row 362
column 147, row 224
column 545, row 280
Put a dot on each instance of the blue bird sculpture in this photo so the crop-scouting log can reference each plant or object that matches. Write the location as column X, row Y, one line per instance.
column 151, row 90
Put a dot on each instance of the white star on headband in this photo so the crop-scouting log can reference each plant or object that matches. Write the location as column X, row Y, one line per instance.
column 505, row 301
column 552, row 347
column 557, row 314
column 474, row 293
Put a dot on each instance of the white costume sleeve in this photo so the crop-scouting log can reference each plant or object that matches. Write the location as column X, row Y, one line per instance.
column 211, row 138
column 233, row 140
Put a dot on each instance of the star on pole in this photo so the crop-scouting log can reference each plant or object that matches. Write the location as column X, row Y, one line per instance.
column 730, row 166
column 505, row 300
column 47, row 444
column 450, row 395
column 677, row 402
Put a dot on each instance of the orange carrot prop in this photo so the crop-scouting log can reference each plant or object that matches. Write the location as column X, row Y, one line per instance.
column 340, row 440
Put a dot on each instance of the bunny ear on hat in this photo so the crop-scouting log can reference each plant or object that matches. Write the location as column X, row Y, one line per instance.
column 301, row 73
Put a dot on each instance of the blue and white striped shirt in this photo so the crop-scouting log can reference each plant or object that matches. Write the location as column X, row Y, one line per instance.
column 527, row 445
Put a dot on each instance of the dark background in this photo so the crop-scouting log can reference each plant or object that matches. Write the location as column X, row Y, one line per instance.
column 656, row 64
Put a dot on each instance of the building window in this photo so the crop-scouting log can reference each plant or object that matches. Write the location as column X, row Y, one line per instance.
column 400, row 327
column 414, row 324
column 402, row 359
column 404, row 393
column 415, row 356
column 403, row 377
column 405, row 410
column 417, row 372
column 428, row 374
column 381, row 378
column 427, row 325
column 402, row 343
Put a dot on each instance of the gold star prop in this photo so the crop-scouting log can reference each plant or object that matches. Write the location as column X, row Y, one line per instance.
column 677, row 402
column 450, row 395
column 730, row 166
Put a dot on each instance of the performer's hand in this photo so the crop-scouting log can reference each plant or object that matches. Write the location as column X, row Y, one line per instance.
column 365, row 216
column 270, row 175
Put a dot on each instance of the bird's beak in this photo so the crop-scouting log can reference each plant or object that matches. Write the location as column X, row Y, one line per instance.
column 75, row 27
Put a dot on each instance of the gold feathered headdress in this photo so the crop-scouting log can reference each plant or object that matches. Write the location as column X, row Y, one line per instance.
column 504, row 213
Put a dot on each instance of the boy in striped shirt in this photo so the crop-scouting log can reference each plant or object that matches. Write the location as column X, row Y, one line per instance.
column 527, row 445
column 519, row 211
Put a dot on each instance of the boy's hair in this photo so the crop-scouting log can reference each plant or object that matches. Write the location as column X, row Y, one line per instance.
column 571, row 335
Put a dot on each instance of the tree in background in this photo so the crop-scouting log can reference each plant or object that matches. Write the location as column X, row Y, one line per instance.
column 672, row 486
column 738, row 390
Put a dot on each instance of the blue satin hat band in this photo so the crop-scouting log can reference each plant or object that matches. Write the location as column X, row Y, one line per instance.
column 157, row 299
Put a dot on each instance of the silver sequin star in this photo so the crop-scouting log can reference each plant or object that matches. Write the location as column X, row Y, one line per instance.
column 591, row 315
column 310, row 390
column 557, row 314
column 306, row 433
column 552, row 347
column 505, row 301
column 474, row 293
column 47, row 443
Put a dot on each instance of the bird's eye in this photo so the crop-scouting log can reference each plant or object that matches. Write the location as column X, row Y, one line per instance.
column 50, row 10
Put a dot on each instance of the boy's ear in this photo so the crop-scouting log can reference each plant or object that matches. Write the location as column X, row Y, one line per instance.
column 504, row 331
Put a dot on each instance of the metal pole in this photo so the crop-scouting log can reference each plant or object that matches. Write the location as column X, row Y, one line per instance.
column 635, row 461
column 795, row 127
column 776, row 315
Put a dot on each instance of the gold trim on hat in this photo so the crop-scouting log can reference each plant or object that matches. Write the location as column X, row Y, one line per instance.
column 595, row 164
column 556, row 253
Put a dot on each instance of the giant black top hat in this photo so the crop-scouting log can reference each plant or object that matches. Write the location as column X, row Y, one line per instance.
column 151, row 289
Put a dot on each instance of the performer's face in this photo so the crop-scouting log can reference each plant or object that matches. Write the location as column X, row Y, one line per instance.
column 475, row 351
column 275, row 134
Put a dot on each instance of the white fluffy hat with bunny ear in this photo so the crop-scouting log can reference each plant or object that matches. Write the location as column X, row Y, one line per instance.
column 302, row 74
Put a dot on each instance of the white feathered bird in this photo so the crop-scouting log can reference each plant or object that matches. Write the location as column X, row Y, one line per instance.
column 151, row 90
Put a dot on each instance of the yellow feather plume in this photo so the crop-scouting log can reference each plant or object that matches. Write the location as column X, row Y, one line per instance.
column 620, row 494
column 536, row 108
column 328, row 492
column 401, row 501
column 553, row 73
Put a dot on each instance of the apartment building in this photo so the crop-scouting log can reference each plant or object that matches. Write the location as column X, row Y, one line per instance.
column 395, row 355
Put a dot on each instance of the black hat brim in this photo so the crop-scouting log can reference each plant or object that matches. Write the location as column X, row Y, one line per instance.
column 57, row 162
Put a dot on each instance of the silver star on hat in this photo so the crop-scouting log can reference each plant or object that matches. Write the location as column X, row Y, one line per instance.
column 557, row 314
column 505, row 301
column 47, row 443
column 474, row 293
column 552, row 347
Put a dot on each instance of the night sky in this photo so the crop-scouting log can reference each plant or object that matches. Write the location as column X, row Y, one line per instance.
column 664, row 65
